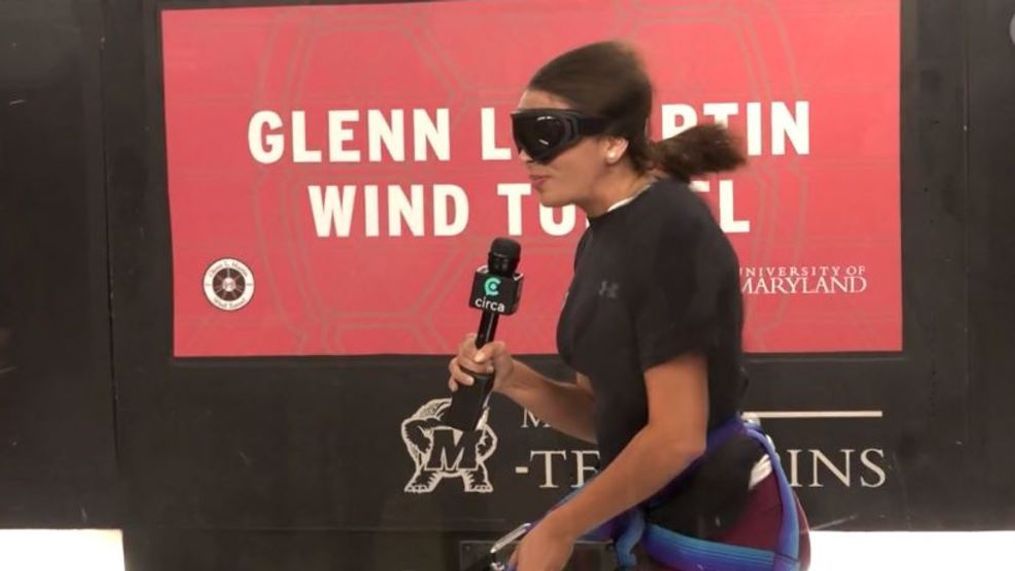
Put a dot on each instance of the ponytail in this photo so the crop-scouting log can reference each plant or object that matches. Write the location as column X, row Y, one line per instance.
column 706, row 148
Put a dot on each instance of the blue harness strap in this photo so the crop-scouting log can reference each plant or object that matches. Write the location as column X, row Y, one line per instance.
column 680, row 551
column 685, row 552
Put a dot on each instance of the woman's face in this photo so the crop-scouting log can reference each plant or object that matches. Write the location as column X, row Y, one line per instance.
column 570, row 177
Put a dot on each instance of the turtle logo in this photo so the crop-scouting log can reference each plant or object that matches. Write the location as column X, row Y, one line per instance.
column 441, row 452
column 228, row 284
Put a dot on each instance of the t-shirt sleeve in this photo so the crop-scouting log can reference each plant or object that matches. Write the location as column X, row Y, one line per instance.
column 680, row 281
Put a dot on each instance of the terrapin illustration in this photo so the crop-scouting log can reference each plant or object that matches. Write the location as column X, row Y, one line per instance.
column 442, row 452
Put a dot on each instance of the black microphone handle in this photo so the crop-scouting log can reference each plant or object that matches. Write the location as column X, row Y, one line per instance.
column 468, row 402
column 487, row 328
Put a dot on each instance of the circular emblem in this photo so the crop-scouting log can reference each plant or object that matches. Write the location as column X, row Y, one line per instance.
column 228, row 284
column 492, row 286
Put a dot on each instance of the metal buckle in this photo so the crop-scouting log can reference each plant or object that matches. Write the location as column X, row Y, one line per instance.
column 512, row 536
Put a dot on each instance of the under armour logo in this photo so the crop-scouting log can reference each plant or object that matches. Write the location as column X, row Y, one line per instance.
column 609, row 289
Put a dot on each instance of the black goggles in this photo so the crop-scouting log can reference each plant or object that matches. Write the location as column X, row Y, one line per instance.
column 545, row 133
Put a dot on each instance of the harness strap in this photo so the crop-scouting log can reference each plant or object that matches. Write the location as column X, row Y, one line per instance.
column 685, row 552
column 630, row 528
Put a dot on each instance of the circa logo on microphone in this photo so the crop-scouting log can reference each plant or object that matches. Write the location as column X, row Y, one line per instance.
column 491, row 286
column 494, row 293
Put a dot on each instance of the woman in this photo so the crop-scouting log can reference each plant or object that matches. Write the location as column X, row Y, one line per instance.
column 651, row 324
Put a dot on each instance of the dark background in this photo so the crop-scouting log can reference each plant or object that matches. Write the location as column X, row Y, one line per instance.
column 298, row 463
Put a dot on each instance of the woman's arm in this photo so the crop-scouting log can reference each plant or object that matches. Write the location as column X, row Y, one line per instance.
column 674, row 437
column 567, row 407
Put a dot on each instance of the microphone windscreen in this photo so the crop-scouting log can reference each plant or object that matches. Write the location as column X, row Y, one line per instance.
column 506, row 247
column 504, row 256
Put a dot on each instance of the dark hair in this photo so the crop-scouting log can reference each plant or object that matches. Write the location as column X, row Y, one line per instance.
column 608, row 80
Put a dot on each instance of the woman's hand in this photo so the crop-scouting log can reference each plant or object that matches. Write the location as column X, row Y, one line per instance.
column 546, row 548
column 492, row 357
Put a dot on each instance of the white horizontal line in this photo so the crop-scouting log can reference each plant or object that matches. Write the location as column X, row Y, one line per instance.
column 521, row 469
column 817, row 413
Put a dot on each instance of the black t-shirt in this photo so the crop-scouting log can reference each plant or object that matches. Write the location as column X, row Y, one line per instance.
column 654, row 279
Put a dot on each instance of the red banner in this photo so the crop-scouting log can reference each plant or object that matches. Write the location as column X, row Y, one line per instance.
column 337, row 173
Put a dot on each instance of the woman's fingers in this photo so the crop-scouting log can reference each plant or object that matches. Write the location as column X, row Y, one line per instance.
column 458, row 375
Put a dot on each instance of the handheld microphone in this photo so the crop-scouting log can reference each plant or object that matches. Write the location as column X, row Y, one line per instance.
column 496, row 291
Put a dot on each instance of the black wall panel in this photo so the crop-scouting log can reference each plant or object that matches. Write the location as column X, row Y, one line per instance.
column 991, row 264
column 57, row 453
